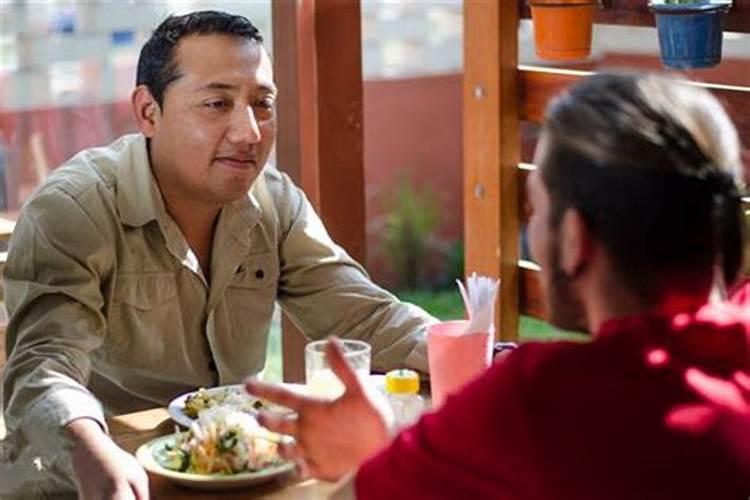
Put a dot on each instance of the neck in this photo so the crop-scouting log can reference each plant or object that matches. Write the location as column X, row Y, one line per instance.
column 195, row 219
column 608, row 298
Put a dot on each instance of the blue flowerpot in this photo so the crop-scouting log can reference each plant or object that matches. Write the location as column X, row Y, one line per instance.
column 690, row 35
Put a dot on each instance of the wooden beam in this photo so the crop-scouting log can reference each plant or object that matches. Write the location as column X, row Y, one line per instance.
column 491, row 150
column 317, row 61
column 637, row 13
column 296, row 141
column 537, row 85
column 338, row 44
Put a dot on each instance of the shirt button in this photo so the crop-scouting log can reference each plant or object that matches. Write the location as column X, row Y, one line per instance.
column 212, row 365
column 259, row 274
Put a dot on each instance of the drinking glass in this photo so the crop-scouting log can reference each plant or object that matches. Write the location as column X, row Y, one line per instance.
column 321, row 381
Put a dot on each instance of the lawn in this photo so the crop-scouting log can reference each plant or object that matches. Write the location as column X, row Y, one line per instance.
column 446, row 304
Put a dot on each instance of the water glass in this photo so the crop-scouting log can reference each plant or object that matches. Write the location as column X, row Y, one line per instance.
column 321, row 381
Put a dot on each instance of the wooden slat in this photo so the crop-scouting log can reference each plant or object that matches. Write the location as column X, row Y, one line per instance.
column 538, row 85
column 491, row 150
column 317, row 59
column 637, row 13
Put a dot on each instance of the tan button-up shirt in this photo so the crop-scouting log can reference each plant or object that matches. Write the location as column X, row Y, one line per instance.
column 108, row 304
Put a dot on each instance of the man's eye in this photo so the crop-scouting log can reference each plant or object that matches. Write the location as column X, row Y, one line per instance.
column 218, row 105
column 267, row 103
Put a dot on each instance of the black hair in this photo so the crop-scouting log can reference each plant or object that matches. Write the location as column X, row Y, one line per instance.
column 157, row 67
column 636, row 157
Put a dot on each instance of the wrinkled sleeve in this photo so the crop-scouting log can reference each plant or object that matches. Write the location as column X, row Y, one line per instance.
column 477, row 445
column 52, row 287
column 326, row 292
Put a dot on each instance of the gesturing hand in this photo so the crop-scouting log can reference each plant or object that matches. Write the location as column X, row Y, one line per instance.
column 331, row 437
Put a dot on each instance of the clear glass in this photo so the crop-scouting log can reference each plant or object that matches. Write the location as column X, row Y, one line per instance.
column 321, row 381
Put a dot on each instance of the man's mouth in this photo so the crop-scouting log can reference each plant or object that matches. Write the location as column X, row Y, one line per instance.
column 238, row 162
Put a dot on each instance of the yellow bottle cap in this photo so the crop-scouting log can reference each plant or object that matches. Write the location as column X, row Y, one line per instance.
column 402, row 382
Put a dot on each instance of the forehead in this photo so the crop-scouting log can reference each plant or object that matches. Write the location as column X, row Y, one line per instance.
column 226, row 58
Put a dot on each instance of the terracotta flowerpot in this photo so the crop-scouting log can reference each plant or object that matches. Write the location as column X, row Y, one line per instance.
column 562, row 28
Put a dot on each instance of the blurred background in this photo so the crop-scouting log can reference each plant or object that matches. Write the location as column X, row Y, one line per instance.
column 67, row 69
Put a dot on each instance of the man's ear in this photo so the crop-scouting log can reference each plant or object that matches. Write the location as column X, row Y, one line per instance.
column 145, row 109
column 575, row 243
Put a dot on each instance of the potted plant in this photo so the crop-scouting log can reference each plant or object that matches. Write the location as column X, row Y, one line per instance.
column 690, row 31
column 562, row 28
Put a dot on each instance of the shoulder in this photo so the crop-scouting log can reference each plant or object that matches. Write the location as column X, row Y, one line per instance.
column 277, row 194
column 89, row 179
column 82, row 191
column 279, row 186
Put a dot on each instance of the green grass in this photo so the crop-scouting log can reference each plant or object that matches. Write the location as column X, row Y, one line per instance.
column 446, row 304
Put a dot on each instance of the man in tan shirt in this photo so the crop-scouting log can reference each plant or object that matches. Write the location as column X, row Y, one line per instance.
column 150, row 267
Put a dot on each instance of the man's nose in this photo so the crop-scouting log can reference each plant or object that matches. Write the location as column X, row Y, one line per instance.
column 244, row 127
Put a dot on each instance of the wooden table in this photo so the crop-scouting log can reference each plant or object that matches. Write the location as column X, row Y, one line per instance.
column 132, row 430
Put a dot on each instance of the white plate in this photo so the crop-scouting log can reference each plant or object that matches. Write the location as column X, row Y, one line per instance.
column 176, row 407
column 145, row 455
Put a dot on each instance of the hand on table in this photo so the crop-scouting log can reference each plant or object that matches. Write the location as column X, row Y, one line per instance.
column 103, row 470
column 331, row 437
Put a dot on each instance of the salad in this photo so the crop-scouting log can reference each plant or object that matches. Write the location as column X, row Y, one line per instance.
column 231, row 397
column 222, row 441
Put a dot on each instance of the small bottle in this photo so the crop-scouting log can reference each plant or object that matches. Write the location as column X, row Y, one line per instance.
column 402, row 390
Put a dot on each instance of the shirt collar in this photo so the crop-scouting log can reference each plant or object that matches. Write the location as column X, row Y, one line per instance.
column 138, row 197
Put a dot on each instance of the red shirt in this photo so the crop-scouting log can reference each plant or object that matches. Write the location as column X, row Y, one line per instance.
column 574, row 421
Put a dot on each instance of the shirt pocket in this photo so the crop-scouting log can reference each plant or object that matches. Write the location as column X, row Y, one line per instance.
column 251, row 295
column 145, row 322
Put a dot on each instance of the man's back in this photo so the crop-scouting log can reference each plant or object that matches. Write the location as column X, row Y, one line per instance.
column 573, row 421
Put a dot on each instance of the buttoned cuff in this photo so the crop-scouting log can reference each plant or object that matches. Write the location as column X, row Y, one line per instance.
column 44, row 423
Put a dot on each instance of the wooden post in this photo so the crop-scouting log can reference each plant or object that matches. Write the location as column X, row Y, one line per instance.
column 318, row 67
column 491, row 151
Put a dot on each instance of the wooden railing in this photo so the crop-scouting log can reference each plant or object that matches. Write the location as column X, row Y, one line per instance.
column 502, row 97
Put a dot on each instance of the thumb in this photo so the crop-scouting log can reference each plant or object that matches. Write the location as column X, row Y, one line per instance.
column 342, row 369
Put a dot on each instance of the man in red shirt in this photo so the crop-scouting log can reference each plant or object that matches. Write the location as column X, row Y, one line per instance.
column 636, row 219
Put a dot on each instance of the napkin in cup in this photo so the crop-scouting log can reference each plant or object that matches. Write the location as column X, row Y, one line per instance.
column 460, row 350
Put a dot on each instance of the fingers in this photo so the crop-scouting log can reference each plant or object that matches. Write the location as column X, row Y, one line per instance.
column 283, row 424
column 140, row 486
column 276, row 394
column 340, row 367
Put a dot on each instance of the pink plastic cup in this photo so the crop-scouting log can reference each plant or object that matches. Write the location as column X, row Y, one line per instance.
column 454, row 357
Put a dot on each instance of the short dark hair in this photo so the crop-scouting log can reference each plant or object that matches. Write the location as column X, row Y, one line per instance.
column 157, row 67
column 653, row 166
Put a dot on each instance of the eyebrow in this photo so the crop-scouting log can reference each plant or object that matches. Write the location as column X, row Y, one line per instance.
column 271, row 89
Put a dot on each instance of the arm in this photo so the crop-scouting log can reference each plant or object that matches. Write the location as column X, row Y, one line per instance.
column 327, row 293
column 58, row 261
